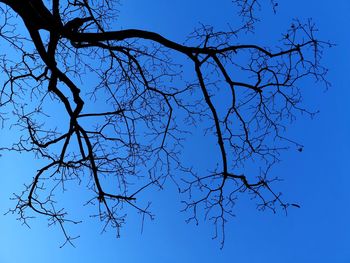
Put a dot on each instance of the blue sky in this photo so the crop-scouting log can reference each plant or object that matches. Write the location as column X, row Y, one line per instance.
column 317, row 179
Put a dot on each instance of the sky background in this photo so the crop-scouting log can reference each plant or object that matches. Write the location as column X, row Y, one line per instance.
column 318, row 178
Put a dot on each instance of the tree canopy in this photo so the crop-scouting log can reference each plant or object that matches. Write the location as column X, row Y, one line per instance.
column 111, row 108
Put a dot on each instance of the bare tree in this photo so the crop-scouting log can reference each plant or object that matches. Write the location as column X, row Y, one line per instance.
column 107, row 107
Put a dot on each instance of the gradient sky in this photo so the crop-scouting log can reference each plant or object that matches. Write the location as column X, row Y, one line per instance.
column 318, row 178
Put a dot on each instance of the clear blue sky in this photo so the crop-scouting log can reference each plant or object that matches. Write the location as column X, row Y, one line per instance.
column 318, row 178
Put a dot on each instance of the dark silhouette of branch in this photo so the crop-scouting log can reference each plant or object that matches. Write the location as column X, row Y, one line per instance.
column 121, row 105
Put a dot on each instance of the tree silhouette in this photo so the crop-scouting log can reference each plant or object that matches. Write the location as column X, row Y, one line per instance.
column 122, row 109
